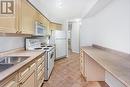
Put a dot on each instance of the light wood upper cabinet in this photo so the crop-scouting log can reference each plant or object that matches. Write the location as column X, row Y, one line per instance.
column 8, row 22
column 55, row 26
column 43, row 20
column 27, row 18
column 23, row 19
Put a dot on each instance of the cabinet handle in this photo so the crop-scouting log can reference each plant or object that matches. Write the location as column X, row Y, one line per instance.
column 33, row 65
column 21, row 83
column 17, row 31
column 25, row 71
column 20, row 32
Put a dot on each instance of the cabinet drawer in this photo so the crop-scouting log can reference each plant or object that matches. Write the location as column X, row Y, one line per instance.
column 29, row 82
column 11, row 84
column 40, row 79
column 40, row 67
column 33, row 66
column 40, row 74
column 26, row 71
column 40, row 60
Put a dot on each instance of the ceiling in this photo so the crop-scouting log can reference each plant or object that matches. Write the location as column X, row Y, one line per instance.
column 59, row 10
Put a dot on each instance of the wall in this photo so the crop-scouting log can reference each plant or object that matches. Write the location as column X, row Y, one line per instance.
column 86, row 34
column 75, row 37
column 8, row 43
column 109, row 28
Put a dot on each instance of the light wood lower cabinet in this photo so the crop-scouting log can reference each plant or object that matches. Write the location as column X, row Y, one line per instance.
column 30, row 75
column 82, row 63
column 90, row 69
column 40, row 71
column 11, row 81
column 29, row 82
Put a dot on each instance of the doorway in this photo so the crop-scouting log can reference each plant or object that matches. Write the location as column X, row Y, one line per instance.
column 73, row 37
column 69, row 37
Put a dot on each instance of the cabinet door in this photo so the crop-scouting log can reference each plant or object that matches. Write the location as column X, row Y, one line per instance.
column 30, row 82
column 93, row 70
column 42, row 19
column 52, row 26
column 40, row 71
column 59, row 26
column 10, row 81
column 55, row 26
column 8, row 22
column 28, row 14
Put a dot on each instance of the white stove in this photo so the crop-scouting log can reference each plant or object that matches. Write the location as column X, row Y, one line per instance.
column 50, row 54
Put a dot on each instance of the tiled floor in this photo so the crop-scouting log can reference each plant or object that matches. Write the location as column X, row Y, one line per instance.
column 66, row 73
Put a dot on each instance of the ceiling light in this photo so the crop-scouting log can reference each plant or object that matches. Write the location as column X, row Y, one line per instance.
column 59, row 3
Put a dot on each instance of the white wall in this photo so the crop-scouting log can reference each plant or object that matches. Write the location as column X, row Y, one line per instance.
column 75, row 46
column 110, row 27
column 86, row 34
column 8, row 43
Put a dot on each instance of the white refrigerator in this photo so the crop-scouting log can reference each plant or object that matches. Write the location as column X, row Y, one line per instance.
column 61, row 44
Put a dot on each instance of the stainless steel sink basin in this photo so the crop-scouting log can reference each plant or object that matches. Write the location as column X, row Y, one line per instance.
column 9, row 61
column 5, row 66
column 12, row 59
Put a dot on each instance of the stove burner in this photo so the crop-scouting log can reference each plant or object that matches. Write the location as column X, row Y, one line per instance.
column 43, row 46
column 46, row 48
column 38, row 48
column 49, row 46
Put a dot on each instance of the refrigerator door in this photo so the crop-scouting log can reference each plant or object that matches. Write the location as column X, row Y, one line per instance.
column 61, row 44
column 60, row 34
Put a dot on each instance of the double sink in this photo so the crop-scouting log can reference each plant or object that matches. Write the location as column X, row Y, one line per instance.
column 9, row 61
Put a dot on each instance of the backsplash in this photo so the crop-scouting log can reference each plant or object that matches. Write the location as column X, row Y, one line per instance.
column 8, row 43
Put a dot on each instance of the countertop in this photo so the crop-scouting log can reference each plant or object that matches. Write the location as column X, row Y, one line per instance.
column 117, row 65
column 32, row 55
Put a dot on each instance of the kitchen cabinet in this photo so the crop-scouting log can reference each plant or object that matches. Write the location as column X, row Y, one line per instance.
column 30, row 75
column 9, row 22
column 27, row 18
column 10, row 81
column 82, row 63
column 30, row 82
column 55, row 26
column 23, row 19
column 44, row 21
column 27, row 75
column 40, row 71
column 90, row 69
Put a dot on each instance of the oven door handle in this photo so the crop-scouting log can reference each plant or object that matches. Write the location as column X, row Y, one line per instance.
column 52, row 54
